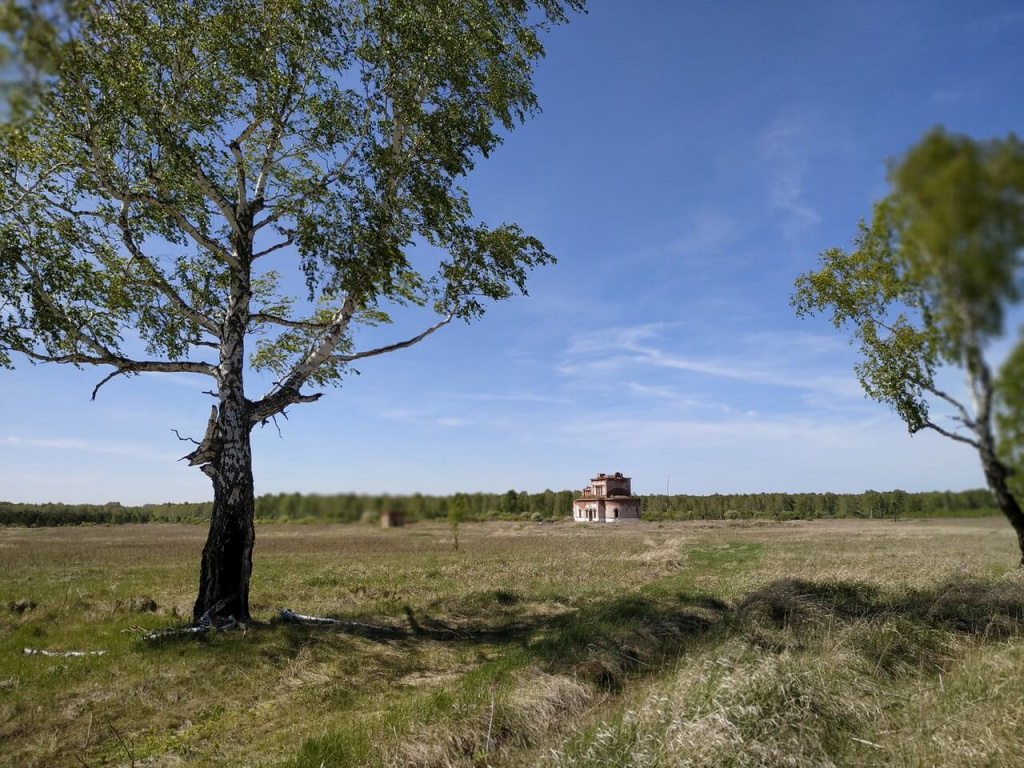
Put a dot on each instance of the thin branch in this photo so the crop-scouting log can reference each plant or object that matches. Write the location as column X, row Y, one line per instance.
column 271, row 249
column 122, row 196
column 320, row 184
column 27, row 192
column 307, row 325
column 201, row 238
column 106, row 378
column 392, row 347
column 965, row 416
column 273, row 142
column 951, row 435
column 185, row 439
column 131, row 756
column 102, row 355
column 128, row 238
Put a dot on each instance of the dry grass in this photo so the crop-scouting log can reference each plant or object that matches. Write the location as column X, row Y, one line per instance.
column 801, row 643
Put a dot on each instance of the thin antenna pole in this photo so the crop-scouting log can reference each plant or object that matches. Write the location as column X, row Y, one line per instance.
column 667, row 482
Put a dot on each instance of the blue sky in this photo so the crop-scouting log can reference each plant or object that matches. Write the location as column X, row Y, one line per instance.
column 690, row 161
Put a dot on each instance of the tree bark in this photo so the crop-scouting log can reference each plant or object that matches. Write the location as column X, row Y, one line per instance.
column 227, row 557
column 996, row 475
column 982, row 392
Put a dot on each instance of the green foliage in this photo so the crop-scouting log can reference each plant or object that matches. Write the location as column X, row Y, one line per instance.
column 1009, row 415
column 931, row 276
column 216, row 133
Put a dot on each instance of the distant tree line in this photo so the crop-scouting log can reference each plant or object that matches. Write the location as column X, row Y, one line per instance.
column 802, row 506
column 111, row 513
column 520, row 505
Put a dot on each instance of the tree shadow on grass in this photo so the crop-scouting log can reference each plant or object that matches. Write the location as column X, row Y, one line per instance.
column 966, row 607
column 606, row 640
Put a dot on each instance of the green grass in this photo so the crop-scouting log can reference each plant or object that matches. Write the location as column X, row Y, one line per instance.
column 799, row 643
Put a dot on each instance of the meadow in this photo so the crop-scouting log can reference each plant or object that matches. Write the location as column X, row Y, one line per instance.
column 733, row 643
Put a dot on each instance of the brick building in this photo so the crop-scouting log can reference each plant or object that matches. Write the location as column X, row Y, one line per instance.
column 608, row 499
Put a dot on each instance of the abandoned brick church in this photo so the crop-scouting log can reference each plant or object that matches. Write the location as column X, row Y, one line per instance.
column 608, row 499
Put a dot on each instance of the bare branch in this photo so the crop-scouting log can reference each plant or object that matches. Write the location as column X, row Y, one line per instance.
column 106, row 378
column 185, row 439
column 392, row 347
column 307, row 325
column 271, row 404
column 951, row 435
column 271, row 249
column 965, row 416
column 123, row 364
column 206, row 453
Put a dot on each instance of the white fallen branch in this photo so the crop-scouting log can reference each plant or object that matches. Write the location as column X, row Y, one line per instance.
column 868, row 743
column 42, row 652
column 301, row 618
column 204, row 625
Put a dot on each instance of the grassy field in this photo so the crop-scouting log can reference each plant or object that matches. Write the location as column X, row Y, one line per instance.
column 656, row 644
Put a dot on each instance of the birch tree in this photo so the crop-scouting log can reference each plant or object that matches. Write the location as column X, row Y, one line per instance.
column 928, row 285
column 187, row 159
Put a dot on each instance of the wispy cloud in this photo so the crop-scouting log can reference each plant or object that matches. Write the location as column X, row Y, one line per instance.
column 995, row 23
column 452, row 421
column 673, row 397
column 748, row 427
column 510, row 397
column 705, row 234
column 784, row 148
column 85, row 446
column 784, row 360
column 945, row 96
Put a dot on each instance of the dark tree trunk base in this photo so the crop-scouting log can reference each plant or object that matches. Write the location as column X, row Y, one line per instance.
column 997, row 476
column 227, row 557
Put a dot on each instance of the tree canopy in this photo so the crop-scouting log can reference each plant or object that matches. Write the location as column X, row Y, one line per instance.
column 929, row 283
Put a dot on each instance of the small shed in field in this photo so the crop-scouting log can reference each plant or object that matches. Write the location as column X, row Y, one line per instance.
column 389, row 518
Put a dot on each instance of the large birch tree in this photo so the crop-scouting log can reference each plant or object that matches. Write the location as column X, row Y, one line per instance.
column 928, row 285
column 184, row 159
